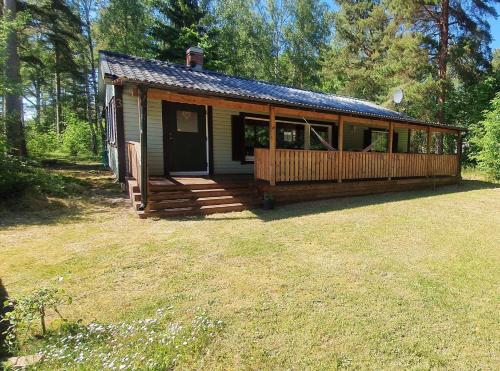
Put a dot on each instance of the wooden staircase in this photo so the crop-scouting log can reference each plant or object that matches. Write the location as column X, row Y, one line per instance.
column 194, row 196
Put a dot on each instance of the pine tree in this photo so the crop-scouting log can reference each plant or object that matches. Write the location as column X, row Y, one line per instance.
column 13, row 108
column 180, row 24
column 456, row 34
column 306, row 36
column 122, row 26
column 372, row 53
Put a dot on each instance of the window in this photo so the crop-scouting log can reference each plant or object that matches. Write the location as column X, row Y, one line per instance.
column 379, row 141
column 187, row 121
column 111, row 122
column 418, row 141
column 256, row 136
column 450, row 144
column 289, row 136
column 323, row 133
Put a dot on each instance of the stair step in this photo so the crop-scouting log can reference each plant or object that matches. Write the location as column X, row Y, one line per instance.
column 203, row 210
column 201, row 201
column 159, row 187
column 197, row 193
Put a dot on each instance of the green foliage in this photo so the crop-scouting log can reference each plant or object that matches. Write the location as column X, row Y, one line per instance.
column 157, row 343
column 487, row 138
column 18, row 177
column 14, row 176
column 40, row 143
column 122, row 26
column 178, row 25
column 26, row 313
column 77, row 137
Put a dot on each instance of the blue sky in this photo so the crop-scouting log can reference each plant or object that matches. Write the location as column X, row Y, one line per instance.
column 495, row 30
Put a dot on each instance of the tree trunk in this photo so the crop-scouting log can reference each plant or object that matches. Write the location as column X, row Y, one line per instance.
column 58, row 93
column 38, row 102
column 13, row 108
column 87, row 9
column 89, row 113
column 443, row 64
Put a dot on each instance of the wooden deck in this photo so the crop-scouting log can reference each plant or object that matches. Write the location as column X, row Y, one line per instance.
column 183, row 196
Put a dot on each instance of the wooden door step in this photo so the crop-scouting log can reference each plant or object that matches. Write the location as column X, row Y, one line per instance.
column 203, row 210
column 197, row 193
column 201, row 201
column 160, row 187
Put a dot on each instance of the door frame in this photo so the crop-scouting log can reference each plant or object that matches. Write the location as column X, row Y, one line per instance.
column 208, row 144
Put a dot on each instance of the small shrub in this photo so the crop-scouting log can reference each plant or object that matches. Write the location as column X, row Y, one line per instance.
column 41, row 144
column 28, row 311
column 77, row 137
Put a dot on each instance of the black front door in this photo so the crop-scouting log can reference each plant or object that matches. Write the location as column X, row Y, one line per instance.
column 184, row 138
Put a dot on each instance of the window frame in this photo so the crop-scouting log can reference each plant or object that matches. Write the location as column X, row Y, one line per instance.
column 293, row 121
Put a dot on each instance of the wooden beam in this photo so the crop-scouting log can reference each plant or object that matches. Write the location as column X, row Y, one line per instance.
column 142, row 102
column 389, row 156
column 272, row 145
column 400, row 125
column 283, row 111
column 365, row 121
column 341, row 147
column 204, row 100
column 444, row 130
column 459, row 155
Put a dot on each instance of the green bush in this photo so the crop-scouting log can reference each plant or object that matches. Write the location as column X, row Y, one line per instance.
column 41, row 144
column 18, row 176
column 27, row 312
column 486, row 136
column 77, row 137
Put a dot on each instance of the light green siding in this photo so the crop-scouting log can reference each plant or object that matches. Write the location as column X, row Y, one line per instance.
column 223, row 163
column 155, row 131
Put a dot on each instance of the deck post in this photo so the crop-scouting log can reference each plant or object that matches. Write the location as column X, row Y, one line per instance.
column 341, row 147
column 143, row 124
column 459, row 155
column 272, row 145
column 429, row 138
column 389, row 156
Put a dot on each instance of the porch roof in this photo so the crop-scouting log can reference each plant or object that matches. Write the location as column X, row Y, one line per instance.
column 185, row 79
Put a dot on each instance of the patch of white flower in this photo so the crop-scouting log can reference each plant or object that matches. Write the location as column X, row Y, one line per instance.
column 154, row 343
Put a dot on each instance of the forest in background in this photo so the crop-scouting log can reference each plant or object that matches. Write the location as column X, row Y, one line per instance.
column 436, row 51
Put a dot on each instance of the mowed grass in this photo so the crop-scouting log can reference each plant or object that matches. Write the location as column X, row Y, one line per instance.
column 403, row 280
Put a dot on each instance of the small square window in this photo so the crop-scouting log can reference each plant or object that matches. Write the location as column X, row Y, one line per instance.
column 187, row 121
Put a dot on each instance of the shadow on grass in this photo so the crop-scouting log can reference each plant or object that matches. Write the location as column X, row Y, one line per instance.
column 292, row 210
column 83, row 189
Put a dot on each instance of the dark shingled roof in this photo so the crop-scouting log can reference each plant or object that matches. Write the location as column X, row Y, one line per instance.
column 178, row 77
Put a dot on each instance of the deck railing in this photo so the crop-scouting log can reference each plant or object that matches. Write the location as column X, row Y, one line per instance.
column 306, row 165
column 134, row 161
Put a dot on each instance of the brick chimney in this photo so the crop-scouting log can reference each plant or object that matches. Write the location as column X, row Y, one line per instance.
column 194, row 58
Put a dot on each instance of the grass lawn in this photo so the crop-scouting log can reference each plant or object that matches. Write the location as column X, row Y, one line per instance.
column 403, row 280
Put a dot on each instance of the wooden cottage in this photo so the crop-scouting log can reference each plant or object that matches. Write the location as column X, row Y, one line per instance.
column 184, row 140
